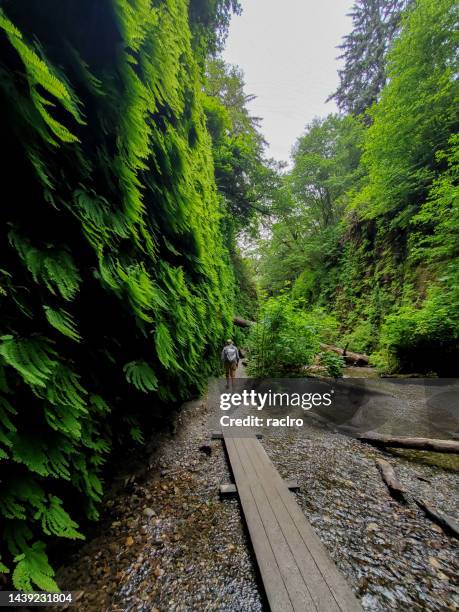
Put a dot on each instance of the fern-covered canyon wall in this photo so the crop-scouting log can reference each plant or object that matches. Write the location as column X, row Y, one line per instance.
column 116, row 288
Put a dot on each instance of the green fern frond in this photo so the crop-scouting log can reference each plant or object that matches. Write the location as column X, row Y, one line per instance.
column 144, row 295
column 5, row 281
column 92, row 438
column 102, row 225
column 135, row 431
column 33, row 570
column 64, row 419
column 6, row 426
column 41, row 169
column 63, row 322
column 31, row 451
column 99, row 404
column 54, row 267
column 164, row 347
column 59, row 459
column 32, row 358
column 137, row 435
column 11, row 508
column 56, row 521
column 17, row 536
column 64, row 388
column 4, row 388
column 17, row 498
column 3, row 568
column 140, row 374
column 85, row 479
column 40, row 73
column 67, row 402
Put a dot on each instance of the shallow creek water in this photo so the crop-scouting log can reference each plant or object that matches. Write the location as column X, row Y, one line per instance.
column 167, row 542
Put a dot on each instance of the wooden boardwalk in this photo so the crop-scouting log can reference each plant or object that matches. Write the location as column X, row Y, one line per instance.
column 296, row 570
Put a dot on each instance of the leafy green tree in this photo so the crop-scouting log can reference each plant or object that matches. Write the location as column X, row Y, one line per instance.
column 209, row 21
column 283, row 340
column 326, row 167
column 309, row 207
column 416, row 115
column 245, row 179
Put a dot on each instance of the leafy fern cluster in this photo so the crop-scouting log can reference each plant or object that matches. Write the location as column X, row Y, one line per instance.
column 114, row 279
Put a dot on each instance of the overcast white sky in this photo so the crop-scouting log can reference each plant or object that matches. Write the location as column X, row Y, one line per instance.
column 287, row 50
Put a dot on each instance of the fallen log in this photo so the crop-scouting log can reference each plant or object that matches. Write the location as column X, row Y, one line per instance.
column 242, row 322
column 388, row 475
column 351, row 358
column 429, row 444
column 447, row 523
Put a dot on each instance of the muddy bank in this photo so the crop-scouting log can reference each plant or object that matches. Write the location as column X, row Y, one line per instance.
column 167, row 542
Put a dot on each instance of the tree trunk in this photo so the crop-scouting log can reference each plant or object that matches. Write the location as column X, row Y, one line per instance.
column 429, row 444
column 351, row 358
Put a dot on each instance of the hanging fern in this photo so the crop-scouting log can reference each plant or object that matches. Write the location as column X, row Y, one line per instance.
column 32, row 358
column 112, row 256
column 33, row 570
column 164, row 347
column 54, row 267
column 40, row 73
column 6, row 426
column 140, row 374
column 63, row 322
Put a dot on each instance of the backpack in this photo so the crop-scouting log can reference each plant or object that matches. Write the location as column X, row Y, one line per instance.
column 230, row 354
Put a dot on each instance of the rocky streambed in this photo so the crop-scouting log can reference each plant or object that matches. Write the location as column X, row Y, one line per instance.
column 167, row 542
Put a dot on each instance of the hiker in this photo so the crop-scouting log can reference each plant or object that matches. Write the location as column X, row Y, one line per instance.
column 230, row 358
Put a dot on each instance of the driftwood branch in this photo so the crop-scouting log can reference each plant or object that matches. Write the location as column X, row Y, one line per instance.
column 447, row 523
column 351, row 358
column 389, row 477
column 429, row 444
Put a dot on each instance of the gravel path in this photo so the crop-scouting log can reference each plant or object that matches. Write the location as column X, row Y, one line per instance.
column 167, row 542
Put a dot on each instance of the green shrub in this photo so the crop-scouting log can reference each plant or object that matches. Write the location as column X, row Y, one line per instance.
column 333, row 362
column 419, row 340
column 284, row 339
column 362, row 338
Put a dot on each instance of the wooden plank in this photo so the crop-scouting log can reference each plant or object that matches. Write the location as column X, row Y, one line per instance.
column 320, row 592
column 228, row 489
column 343, row 594
column 277, row 594
column 288, row 567
column 290, row 555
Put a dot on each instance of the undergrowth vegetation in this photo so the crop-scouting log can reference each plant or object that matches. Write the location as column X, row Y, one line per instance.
column 286, row 338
